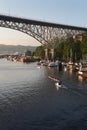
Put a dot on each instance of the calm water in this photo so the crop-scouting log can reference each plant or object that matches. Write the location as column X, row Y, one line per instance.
column 29, row 100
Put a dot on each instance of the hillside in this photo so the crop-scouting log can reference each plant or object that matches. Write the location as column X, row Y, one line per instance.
column 10, row 49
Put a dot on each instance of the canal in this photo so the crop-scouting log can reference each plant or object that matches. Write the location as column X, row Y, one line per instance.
column 29, row 100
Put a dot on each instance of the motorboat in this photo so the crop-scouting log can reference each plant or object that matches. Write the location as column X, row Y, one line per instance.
column 53, row 64
column 70, row 65
column 83, row 68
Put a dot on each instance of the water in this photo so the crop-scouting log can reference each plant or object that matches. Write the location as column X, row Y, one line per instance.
column 29, row 100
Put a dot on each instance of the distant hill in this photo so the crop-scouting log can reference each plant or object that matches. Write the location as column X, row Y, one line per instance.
column 10, row 49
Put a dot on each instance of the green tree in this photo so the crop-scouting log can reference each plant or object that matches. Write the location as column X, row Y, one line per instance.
column 76, row 48
column 59, row 51
column 84, row 47
column 40, row 52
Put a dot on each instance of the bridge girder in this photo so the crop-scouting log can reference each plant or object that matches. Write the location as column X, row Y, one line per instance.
column 41, row 32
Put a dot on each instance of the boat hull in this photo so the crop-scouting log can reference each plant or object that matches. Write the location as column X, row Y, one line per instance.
column 82, row 73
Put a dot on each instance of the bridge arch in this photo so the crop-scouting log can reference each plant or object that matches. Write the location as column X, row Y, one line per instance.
column 17, row 27
column 41, row 31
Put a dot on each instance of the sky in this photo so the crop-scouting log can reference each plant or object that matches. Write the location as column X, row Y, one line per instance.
column 69, row 12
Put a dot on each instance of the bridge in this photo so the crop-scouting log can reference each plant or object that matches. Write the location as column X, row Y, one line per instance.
column 42, row 31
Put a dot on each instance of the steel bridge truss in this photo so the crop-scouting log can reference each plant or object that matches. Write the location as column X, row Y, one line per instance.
column 44, row 33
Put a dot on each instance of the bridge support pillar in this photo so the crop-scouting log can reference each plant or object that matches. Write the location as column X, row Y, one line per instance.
column 52, row 53
column 46, row 54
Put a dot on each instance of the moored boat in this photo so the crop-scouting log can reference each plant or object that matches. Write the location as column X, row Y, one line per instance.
column 83, row 68
column 53, row 64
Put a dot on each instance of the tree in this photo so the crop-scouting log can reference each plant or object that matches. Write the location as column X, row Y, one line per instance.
column 40, row 52
column 59, row 51
column 28, row 53
column 84, row 47
column 77, row 53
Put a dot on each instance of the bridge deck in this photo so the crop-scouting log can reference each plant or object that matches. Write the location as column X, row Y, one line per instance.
column 42, row 23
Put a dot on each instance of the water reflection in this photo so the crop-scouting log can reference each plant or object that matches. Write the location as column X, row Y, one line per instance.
column 57, row 88
column 80, row 78
column 30, row 100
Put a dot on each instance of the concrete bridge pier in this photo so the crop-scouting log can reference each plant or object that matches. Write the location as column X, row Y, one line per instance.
column 52, row 53
column 49, row 53
column 46, row 53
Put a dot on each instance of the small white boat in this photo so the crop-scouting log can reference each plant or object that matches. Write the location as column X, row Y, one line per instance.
column 52, row 64
column 83, row 68
column 39, row 67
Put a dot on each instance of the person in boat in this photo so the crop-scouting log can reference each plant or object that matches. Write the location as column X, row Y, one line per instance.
column 56, row 79
column 59, row 82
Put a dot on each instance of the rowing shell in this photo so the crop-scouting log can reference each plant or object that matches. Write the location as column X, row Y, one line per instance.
column 53, row 78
